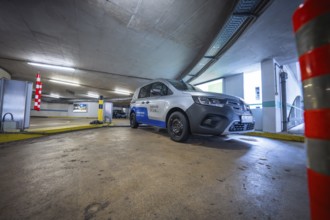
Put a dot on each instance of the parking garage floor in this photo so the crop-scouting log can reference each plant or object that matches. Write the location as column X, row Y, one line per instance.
column 124, row 173
column 37, row 123
column 46, row 123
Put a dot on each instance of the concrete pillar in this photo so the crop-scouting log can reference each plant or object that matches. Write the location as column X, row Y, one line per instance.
column 100, row 110
column 271, row 118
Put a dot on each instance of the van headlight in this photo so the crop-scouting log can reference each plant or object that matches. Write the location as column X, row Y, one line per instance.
column 209, row 101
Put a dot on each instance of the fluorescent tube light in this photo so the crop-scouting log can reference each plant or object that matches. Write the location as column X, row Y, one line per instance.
column 93, row 95
column 52, row 66
column 121, row 99
column 51, row 95
column 123, row 92
column 64, row 82
column 57, row 96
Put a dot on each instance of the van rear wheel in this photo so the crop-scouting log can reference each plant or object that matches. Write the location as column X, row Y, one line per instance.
column 178, row 127
column 132, row 121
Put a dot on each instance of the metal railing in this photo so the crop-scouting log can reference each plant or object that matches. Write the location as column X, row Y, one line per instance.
column 296, row 113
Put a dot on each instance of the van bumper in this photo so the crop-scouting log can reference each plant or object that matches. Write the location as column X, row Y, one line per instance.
column 204, row 119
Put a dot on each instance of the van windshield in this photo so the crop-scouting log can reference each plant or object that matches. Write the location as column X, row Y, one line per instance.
column 180, row 85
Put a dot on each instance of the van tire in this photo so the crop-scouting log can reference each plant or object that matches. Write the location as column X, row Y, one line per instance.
column 178, row 127
column 132, row 121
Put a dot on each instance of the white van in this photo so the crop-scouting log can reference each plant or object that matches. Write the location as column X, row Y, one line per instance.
column 184, row 109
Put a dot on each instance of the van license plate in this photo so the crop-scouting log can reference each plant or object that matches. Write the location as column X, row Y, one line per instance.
column 246, row 119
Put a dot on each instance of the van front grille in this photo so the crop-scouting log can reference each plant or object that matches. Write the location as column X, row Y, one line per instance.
column 241, row 127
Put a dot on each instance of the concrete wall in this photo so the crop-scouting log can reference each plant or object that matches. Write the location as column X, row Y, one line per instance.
column 252, row 81
column 51, row 109
column 92, row 110
column 213, row 86
column 234, row 85
column 257, row 114
column 64, row 110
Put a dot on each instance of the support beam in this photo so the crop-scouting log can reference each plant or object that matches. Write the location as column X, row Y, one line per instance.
column 271, row 118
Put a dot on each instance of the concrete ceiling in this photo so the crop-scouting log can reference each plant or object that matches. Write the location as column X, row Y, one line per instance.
column 121, row 44
column 111, row 43
column 271, row 36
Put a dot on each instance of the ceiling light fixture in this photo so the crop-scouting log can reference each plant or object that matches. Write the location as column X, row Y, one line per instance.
column 51, row 95
column 93, row 95
column 123, row 92
column 52, row 66
column 64, row 82
column 121, row 99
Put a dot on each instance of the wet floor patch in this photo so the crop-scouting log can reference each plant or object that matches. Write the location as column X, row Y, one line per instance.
column 92, row 209
column 249, row 139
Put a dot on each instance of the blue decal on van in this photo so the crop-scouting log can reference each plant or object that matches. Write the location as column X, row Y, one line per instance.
column 141, row 114
column 157, row 123
column 142, row 117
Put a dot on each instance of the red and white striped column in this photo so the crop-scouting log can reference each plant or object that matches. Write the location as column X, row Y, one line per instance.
column 312, row 29
column 37, row 97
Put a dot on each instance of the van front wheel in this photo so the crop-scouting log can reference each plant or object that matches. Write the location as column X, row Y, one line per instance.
column 178, row 127
column 133, row 121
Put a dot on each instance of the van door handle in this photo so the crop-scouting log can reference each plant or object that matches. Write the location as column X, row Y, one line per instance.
column 147, row 102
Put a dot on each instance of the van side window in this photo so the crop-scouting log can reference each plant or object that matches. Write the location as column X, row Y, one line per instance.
column 159, row 89
column 145, row 91
column 168, row 91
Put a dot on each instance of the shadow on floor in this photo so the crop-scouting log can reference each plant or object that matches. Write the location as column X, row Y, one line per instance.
column 210, row 141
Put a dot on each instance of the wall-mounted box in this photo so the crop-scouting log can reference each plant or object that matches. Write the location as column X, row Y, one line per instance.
column 15, row 98
column 107, row 112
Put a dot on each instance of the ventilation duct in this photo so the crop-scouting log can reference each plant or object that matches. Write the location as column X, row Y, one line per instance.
column 244, row 14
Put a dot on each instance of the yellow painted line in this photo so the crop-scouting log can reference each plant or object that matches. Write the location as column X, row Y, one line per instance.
column 67, row 128
column 4, row 138
column 61, row 130
column 65, row 117
column 35, row 133
column 279, row 136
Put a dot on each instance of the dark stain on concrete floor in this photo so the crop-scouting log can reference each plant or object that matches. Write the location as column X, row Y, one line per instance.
column 92, row 209
column 123, row 173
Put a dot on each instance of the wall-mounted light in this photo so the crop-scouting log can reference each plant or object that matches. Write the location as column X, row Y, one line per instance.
column 52, row 66
column 64, row 82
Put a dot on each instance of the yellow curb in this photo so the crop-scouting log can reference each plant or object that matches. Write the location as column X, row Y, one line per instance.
column 279, row 136
column 77, row 117
column 64, row 129
column 9, row 137
column 4, row 138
